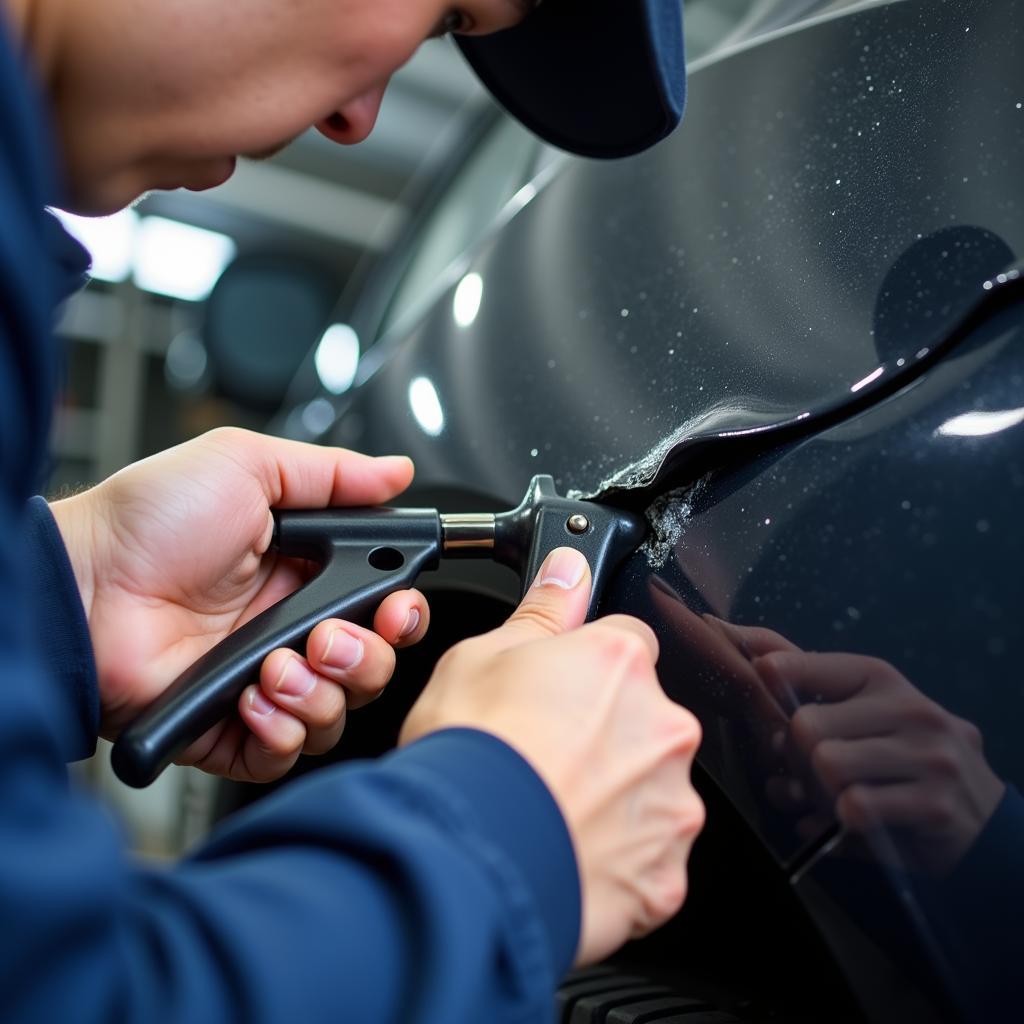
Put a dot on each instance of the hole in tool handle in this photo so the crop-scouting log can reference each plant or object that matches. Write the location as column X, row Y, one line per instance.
column 386, row 559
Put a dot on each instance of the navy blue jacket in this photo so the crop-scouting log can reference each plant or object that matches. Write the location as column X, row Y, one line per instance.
column 435, row 886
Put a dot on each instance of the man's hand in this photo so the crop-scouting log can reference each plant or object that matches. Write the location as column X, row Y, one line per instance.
column 897, row 767
column 584, row 707
column 171, row 555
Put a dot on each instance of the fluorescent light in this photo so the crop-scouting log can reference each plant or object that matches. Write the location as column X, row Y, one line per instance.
column 337, row 358
column 426, row 406
column 978, row 424
column 179, row 260
column 468, row 296
column 110, row 241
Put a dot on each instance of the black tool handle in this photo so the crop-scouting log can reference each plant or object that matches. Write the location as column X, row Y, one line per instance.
column 366, row 554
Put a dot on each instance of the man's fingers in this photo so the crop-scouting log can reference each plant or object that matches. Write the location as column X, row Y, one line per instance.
column 555, row 603
column 829, row 677
column 752, row 641
column 320, row 703
column 352, row 657
column 402, row 618
column 275, row 742
column 629, row 624
column 298, row 475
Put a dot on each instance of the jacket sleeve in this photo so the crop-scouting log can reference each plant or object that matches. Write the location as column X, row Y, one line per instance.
column 435, row 885
column 62, row 629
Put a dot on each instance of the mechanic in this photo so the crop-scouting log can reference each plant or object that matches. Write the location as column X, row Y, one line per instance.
column 538, row 811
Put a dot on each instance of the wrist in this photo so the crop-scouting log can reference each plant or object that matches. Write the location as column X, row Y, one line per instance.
column 75, row 519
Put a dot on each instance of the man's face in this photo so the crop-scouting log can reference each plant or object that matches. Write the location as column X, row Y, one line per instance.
column 156, row 95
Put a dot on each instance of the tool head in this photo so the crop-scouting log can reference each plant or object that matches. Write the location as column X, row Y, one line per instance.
column 544, row 521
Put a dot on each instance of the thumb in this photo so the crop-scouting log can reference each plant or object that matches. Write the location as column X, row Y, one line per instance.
column 555, row 603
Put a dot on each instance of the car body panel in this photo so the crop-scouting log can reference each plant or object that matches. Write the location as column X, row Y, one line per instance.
column 725, row 278
column 839, row 193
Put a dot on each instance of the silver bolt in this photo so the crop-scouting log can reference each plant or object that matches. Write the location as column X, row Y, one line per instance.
column 578, row 523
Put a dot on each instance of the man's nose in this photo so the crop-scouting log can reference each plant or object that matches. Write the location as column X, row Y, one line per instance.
column 355, row 120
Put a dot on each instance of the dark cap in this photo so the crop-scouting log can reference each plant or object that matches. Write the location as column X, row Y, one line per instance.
column 602, row 78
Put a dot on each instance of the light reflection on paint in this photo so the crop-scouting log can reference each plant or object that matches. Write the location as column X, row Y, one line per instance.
column 426, row 406
column 978, row 424
column 524, row 196
column 337, row 358
column 468, row 296
column 874, row 375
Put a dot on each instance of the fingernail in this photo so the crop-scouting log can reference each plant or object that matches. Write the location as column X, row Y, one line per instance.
column 343, row 650
column 563, row 568
column 295, row 680
column 259, row 703
column 411, row 623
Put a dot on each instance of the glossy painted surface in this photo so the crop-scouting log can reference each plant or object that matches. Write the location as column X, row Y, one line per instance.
column 890, row 546
column 726, row 277
column 835, row 200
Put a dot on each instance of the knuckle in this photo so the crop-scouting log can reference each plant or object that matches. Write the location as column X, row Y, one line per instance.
column 456, row 659
column 927, row 715
column 689, row 733
column 229, row 436
column 970, row 734
column 664, row 899
column 940, row 810
column 692, row 817
column 543, row 616
column 881, row 670
column 942, row 761
column 854, row 807
column 803, row 727
column 622, row 646
column 631, row 624
column 825, row 761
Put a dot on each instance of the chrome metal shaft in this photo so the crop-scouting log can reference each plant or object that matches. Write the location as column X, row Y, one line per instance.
column 467, row 534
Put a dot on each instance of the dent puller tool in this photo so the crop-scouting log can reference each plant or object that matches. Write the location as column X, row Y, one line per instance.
column 366, row 554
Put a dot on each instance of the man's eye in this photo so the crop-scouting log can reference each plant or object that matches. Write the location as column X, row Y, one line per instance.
column 454, row 21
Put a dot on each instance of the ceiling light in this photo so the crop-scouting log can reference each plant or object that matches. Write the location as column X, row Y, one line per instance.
column 110, row 241
column 179, row 260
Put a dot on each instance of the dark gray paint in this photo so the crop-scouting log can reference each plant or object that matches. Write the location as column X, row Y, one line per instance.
column 834, row 200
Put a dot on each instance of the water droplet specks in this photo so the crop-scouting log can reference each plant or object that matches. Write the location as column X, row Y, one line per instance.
column 624, row 313
column 534, row 453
